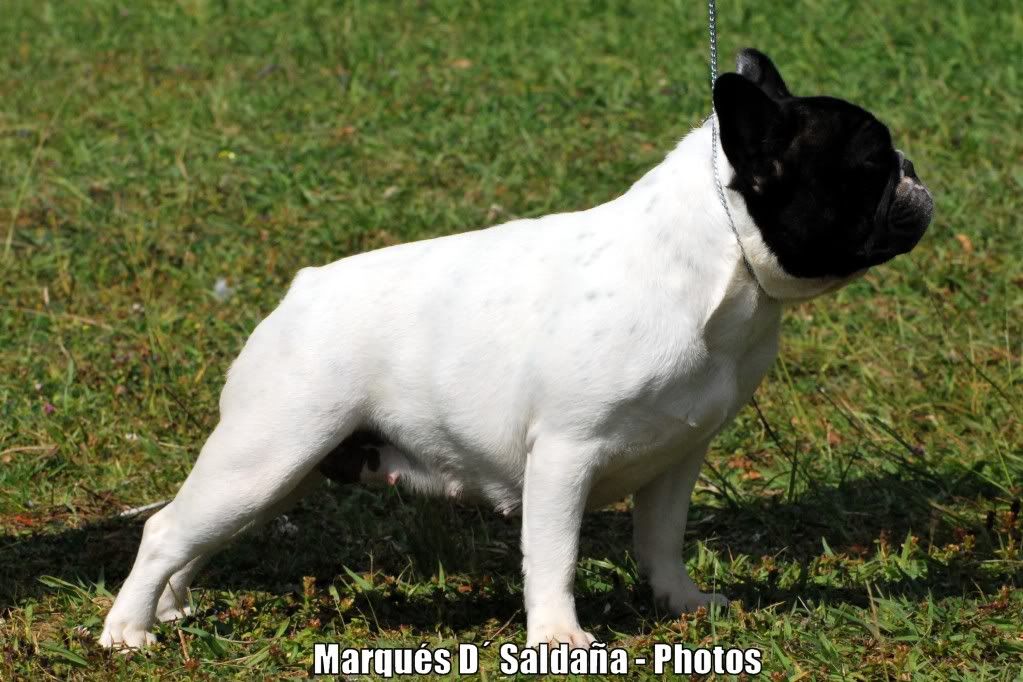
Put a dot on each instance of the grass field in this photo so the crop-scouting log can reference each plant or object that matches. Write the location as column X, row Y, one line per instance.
column 148, row 150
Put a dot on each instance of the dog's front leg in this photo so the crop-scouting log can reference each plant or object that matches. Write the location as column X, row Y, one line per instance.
column 659, row 515
column 557, row 483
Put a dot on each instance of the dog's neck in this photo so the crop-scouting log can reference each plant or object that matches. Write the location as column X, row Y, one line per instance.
column 687, row 173
column 680, row 241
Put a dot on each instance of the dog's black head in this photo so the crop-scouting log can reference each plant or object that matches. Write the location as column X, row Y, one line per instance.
column 820, row 177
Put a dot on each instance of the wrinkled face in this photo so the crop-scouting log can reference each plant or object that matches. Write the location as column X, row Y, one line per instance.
column 820, row 177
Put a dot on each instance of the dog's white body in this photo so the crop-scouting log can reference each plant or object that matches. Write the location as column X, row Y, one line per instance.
column 541, row 366
column 631, row 329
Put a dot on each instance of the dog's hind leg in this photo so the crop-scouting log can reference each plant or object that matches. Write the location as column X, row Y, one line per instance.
column 173, row 602
column 279, row 418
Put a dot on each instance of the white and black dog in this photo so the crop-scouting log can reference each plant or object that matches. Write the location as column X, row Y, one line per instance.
column 552, row 365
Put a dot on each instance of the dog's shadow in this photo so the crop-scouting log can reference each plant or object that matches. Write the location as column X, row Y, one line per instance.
column 348, row 530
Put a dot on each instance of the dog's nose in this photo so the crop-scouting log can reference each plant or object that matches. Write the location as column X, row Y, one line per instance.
column 905, row 164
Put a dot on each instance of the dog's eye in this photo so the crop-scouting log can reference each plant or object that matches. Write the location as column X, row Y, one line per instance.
column 881, row 161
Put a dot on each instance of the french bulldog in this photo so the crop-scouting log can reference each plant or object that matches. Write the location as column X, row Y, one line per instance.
column 553, row 365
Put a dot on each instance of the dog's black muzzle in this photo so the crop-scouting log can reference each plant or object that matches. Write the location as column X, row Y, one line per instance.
column 911, row 210
column 903, row 215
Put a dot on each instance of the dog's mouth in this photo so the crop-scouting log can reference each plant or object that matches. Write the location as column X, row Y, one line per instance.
column 911, row 213
column 912, row 207
column 904, row 213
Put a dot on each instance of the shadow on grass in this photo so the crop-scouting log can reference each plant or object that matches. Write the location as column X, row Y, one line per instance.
column 374, row 533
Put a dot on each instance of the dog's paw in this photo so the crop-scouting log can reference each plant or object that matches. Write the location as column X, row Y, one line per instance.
column 687, row 601
column 171, row 608
column 574, row 636
column 166, row 614
column 701, row 599
column 679, row 594
column 125, row 636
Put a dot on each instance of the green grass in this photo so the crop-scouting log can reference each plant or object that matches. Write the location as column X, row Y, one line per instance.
column 146, row 152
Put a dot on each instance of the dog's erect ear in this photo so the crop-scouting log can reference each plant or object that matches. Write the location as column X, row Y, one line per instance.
column 747, row 118
column 758, row 68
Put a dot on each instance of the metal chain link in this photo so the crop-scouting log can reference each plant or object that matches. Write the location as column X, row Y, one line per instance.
column 712, row 30
column 712, row 25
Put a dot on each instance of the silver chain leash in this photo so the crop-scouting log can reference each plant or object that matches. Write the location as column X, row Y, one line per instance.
column 712, row 30
column 712, row 25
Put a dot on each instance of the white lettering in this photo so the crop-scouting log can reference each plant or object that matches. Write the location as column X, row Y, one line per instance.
column 325, row 659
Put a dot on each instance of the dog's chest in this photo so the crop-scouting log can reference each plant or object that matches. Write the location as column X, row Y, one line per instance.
column 677, row 417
